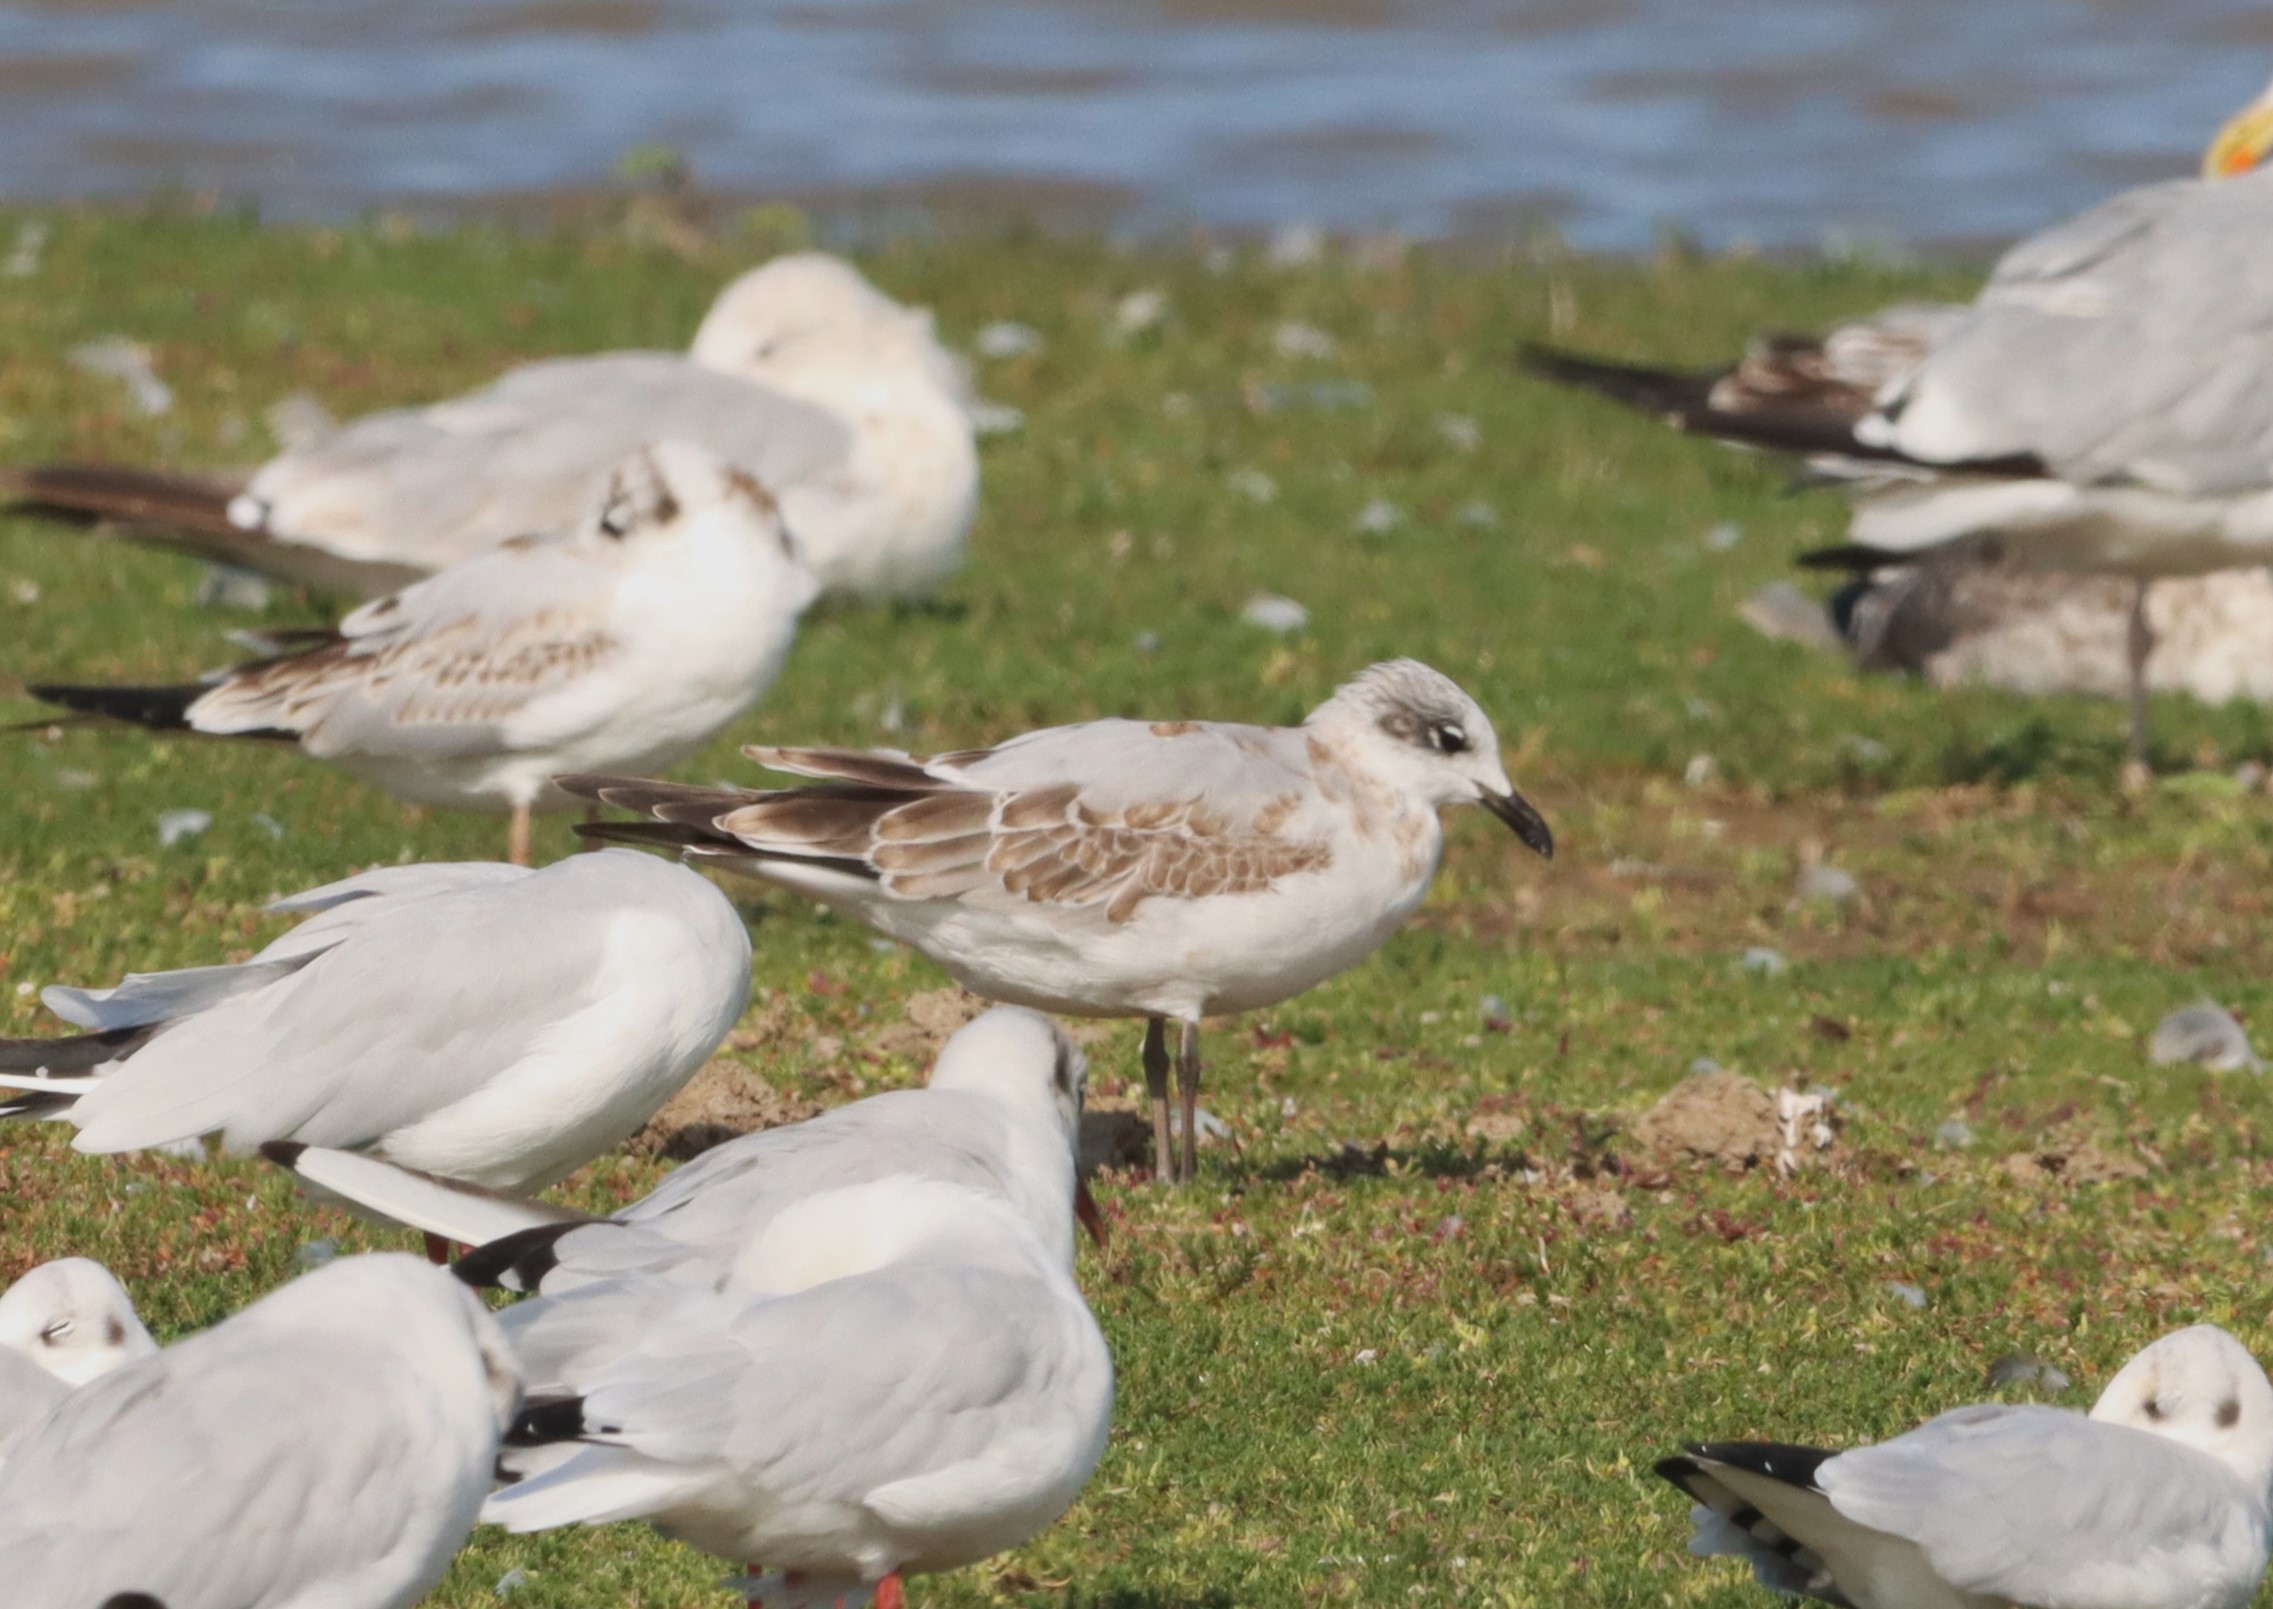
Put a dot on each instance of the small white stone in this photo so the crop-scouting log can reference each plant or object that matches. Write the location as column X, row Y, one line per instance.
column 1822, row 881
column 1274, row 613
column 1954, row 1135
column 1253, row 485
column 1139, row 311
column 1367, row 1357
column 1700, row 771
column 176, row 825
column 1378, row 517
column 996, row 418
column 1764, row 962
column 130, row 363
column 2204, row 1033
column 1147, row 642
column 1007, row 338
column 1477, row 513
column 1724, row 536
column 1295, row 339
column 1907, row 1295
column 1458, row 430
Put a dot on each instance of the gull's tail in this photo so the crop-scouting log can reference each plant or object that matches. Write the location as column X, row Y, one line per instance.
column 457, row 1211
column 43, row 1077
column 161, row 709
column 1727, row 1524
column 183, row 511
column 207, row 519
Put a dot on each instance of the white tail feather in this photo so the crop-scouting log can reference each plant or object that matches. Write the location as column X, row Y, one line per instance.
column 465, row 1213
column 598, row 1485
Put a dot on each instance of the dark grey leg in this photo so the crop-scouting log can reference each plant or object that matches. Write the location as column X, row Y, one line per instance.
column 2140, row 642
column 1188, row 1087
column 1156, row 1085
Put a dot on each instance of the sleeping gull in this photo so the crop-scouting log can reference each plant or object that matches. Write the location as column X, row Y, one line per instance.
column 62, row 1324
column 1170, row 870
column 943, row 1404
column 489, row 1024
column 803, row 375
column 660, row 619
column 2156, row 1500
column 1964, row 615
column 2100, row 404
column 330, row 1444
column 1001, row 1114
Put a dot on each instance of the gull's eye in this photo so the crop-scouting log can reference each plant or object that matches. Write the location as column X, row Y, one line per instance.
column 1446, row 737
column 56, row 1331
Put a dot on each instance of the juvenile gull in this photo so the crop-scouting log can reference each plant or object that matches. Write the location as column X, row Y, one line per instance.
column 331, row 1445
column 489, row 1024
column 2156, row 1500
column 632, row 641
column 62, row 1324
column 942, row 1404
column 2099, row 405
column 803, row 375
column 1169, row 870
column 1001, row 1115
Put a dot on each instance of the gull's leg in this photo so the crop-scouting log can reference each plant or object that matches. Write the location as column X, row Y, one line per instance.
column 437, row 1251
column 890, row 1594
column 2139, row 642
column 517, row 837
column 1156, row 1085
column 1188, row 1091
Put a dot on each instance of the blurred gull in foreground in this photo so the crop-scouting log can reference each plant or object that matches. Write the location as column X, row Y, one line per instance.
column 62, row 1324
column 2157, row 1500
column 330, row 1445
column 494, row 1025
column 942, row 1403
column 1000, row 1115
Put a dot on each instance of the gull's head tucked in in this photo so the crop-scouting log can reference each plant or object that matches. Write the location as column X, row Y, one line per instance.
column 806, row 322
column 2199, row 1387
column 2243, row 144
column 1020, row 1057
column 1414, row 728
column 73, row 1319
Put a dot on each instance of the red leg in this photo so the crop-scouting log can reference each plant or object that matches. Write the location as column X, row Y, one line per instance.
column 890, row 1594
column 438, row 1251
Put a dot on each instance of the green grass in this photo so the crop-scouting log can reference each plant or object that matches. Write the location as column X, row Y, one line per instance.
column 1378, row 1354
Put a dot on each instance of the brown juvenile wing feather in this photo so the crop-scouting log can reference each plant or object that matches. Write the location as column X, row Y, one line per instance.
column 877, row 768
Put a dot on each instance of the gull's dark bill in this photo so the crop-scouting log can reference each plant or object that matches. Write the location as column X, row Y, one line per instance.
column 1524, row 818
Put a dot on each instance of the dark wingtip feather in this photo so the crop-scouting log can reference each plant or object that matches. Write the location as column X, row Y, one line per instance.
column 1784, row 1462
column 161, row 709
column 519, row 1261
column 75, row 1053
column 284, row 1153
column 1851, row 557
column 1674, row 394
column 541, row 1423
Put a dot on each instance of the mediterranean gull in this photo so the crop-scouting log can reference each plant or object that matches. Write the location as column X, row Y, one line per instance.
column 661, row 618
column 944, row 1404
column 803, row 375
column 1170, row 870
column 499, row 1029
column 62, row 1324
column 2156, row 1500
column 1000, row 1114
column 331, row 1444
column 2100, row 404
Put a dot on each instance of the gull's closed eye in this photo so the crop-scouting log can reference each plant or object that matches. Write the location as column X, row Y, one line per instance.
column 1447, row 738
column 56, row 1331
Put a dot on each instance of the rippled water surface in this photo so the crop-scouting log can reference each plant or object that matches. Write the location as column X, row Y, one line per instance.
column 1787, row 122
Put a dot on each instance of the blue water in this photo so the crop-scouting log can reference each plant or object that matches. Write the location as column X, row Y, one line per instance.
column 1780, row 122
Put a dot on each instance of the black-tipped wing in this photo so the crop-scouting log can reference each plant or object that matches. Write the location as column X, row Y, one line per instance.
column 1736, row 1526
